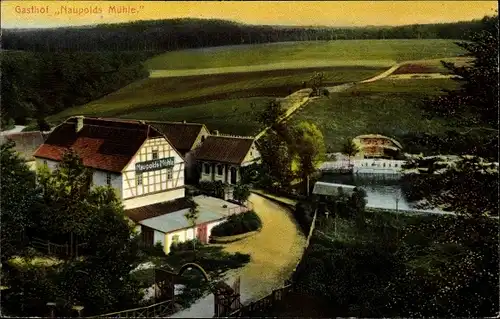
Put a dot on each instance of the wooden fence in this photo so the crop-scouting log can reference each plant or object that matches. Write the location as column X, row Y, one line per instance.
column 49, row 248
column 264, row 305
column 161, row 309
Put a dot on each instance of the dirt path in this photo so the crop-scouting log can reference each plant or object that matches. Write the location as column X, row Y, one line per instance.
column 274, row 252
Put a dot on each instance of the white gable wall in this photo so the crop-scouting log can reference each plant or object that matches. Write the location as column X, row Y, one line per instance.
column 252, row 155
column 157, row 186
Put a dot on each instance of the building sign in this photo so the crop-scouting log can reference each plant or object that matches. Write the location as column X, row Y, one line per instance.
column 154, row 165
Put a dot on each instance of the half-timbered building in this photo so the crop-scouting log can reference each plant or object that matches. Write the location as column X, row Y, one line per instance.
column 142, row 164
column 135, row 159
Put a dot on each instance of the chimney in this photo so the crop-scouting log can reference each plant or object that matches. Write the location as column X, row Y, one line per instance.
column 79, row 123
column 216, row 133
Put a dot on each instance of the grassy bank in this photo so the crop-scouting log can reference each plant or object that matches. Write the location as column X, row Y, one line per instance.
column 389, row 107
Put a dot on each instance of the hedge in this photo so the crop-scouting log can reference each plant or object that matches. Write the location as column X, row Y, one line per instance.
column 238, row 224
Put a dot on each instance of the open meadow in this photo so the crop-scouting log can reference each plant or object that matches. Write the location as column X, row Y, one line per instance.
column 372, row 52
column 149, row 97
column 223, row 100
column 389, row 107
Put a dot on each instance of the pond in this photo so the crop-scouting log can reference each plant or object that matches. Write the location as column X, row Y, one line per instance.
column 381, row 190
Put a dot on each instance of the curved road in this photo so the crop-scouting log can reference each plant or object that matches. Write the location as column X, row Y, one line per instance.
column 274, row 251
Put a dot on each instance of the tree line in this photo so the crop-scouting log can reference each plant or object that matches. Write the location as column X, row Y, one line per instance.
column 176, row 34
column 36, row 85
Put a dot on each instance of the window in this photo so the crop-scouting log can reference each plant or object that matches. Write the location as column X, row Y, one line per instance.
column 108, row 179
column 203, row 138
column 220, row 169
column 170, row 173
column 139, row 178
column 45, row 163
column 384, row 164
column 207, row 168
column 395, row 165
column 155, row 154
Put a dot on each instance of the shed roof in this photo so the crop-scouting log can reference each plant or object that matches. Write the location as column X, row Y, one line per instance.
column 146, row 212
column 332, row 189
column 379, row 136
column 174, row 221
column 224, row 149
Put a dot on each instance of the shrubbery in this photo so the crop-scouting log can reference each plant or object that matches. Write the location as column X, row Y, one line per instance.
column 238, row 224
column 303, row 214
column 186, row 245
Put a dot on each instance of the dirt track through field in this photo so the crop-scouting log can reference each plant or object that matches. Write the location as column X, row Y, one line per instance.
column 274, row 252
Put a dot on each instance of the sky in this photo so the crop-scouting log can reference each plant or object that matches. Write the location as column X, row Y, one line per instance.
column 40, row 14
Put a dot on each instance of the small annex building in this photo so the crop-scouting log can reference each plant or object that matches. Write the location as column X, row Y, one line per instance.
column 324, row 189
column 166, row 223
column 146, row 170
column 223, row 157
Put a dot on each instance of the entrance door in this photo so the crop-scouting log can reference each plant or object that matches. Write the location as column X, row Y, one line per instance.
column 202, row 234
column 233, row 175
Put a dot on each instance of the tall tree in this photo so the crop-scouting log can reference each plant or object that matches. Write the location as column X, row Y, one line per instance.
column 309, row 147
column 476, row 102
column 241, row 192
column 350, row 149
column 18, row 200
column 192, row 216
column 101, row 280
column 276, row 161
column 468, row 186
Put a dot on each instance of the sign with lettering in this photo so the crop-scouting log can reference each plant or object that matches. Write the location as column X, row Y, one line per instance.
column 154, row 165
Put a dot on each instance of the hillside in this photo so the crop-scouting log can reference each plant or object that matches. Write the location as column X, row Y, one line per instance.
column 370, row 53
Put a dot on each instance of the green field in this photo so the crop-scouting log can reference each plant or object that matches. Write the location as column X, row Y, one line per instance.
column 156, row 94
column 389, row 107
column 234, row 116
column 373, row 52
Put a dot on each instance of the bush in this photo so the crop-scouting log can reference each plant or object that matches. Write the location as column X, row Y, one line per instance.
column 238, row 224
column 156, row 250
column 185, row 246
column 303, row 214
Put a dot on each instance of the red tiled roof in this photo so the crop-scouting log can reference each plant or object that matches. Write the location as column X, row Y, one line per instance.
column 182, row 135
column 224, row 149
column 26, row 142
column 101, row 144
column 145, row 212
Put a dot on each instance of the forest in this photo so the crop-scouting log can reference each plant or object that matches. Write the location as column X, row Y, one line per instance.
column 35, row 85
column 176, row 34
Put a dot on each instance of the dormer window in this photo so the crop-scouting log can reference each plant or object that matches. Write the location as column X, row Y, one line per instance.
column 155, row 154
